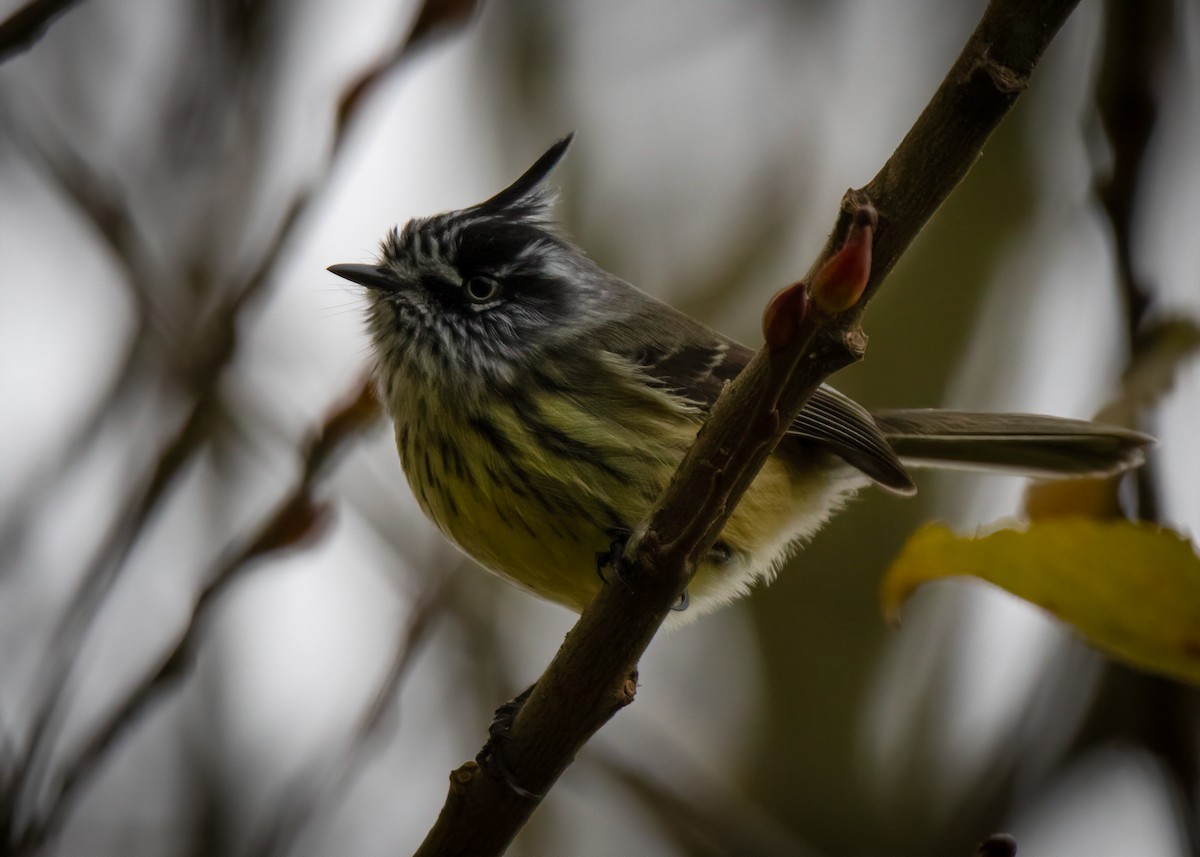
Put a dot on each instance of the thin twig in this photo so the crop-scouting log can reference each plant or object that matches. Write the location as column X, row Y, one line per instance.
column 434, row 18
column 100, row 202
column 67, row 641
column 312, row 794
column 1137, row 38
column 24, row 27
column 997, row 845
column 1138, row 41
column 594, row 673
column 722, row 821
column 298, row 517
column 204, row 375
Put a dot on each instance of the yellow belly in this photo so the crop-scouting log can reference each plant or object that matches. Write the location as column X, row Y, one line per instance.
column 536, row 499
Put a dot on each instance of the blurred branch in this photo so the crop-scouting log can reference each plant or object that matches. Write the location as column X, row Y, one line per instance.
column 726, row 823
column 28, row 24
column 215, row 348
column 594, row 673
column 1137, row 37
column 104, row 207
column 1138, row 42
column 102, row 572
column 298, row 517
column 997, row 845
column 99, row 199
column 434, row 18
column 310, row 793
column 101, row 203
column 214, row 345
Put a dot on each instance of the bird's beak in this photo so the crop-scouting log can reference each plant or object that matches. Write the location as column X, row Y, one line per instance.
column 371, row 276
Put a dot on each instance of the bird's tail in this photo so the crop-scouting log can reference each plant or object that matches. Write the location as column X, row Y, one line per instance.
column 1028, row 444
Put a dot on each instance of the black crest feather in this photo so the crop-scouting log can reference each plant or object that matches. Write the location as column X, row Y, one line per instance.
column 526, row 197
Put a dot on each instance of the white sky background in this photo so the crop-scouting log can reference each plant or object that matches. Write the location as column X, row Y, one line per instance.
column 663, row 96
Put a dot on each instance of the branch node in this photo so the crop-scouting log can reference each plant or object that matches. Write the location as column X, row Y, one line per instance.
column 461, row 777
column 1007, row 80
column 853, row 201
column 1004, row 78
column 854, row 341
column 628, row 690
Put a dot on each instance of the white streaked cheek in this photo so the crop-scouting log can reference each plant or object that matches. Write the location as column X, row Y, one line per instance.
column 555, row 267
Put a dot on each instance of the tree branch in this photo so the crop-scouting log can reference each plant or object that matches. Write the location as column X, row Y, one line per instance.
column 216, row 347
column 997, row 845
column 297, row 517
column 1138, row 43
column 315, row 792
column 594, row 672
column 22, row 28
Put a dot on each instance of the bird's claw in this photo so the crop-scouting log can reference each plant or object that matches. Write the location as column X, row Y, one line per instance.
column 491, row 757
column 614, row 559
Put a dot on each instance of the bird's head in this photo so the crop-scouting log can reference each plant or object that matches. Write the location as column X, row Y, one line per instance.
column 473, row 295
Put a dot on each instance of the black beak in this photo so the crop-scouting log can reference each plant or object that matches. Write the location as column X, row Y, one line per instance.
column 371, row 276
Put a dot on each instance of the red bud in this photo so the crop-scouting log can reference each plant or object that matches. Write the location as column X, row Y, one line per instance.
column 784, row 315
column 843, row 279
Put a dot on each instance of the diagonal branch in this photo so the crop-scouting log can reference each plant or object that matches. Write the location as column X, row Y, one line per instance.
column 1138, row 42
column 218, row 347
column 22, row 28
column 298, row 517
column 594, row 673
column 314, row 793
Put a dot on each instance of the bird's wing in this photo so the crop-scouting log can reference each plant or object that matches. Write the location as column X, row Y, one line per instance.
column 694, row 362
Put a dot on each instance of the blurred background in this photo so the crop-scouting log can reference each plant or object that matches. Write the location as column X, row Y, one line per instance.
column 221, row 636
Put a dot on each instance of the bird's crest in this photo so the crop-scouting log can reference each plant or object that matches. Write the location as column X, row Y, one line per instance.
column 528, row 198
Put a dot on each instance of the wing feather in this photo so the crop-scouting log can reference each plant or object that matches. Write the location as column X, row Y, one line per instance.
column 694, row 362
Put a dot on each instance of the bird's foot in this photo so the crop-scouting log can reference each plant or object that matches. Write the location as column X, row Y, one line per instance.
column 611, row 564
column 491, row 757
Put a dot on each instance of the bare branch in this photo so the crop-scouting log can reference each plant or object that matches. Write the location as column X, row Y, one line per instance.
column 1138, row 40
column 102, row 205
column 721, row 821
column 997, row 845
column 298, row 517
column 20, row 30
column 434, row 17
column 310, row 793
column 201, row 370
column 216, row 349
column 594, row 673
column 106, row 565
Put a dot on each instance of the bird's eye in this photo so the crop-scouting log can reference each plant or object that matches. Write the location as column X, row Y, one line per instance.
column 482, row 289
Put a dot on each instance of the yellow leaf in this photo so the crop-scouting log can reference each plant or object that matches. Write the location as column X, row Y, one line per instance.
column 1130, row 589
column 1066, row 498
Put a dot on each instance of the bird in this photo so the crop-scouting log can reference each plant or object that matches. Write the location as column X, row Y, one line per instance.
column 541, row 404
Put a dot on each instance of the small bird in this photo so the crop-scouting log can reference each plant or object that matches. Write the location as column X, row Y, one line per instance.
column 541, row 404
